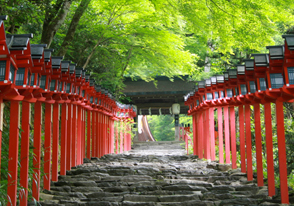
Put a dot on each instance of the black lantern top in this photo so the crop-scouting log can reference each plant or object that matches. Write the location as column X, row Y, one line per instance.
column 240, row 69
column 84, row 73
column 3, row 17
column 72, row 67
column 249, row 64
column 87, row 77
column 18, row 41
column 208, row 82
column 201, row 84
column 261, row 60
column 276, row 52
column 97, row 87
column 226, row 75
column 220, row 78
column 37, row 50
column 232, row 73
column 289, row 40
column 65, row 66
column 213, row 80
column 56, row 62
column 196, row 88
column 92, row 82
column 79, row 71
column 47, row 54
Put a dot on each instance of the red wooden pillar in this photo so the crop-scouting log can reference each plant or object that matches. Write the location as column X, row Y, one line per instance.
column 269, row 149
column 99, row 145
column 200, row 136
column 47, row 145
column 194, row 135
column 125, row 136
column 93, row 133
column 116, row 137
column 248, row 143
column 282, row 153
column 233, row 137
column 37, row 149
column 227, row 134
column 258, row 145
column 69, row 137
column 212, row 137
column 121, row 137
column 105, row 134
column 13, row 152
column 24, row 157
column 83, row 134
column 220, row 134
column 197, row 128
column 89, row 134
column 112, row 136
column 64, row 116
column 242, row 139
column 55, row 142
column 79, row 136
column 74, row 136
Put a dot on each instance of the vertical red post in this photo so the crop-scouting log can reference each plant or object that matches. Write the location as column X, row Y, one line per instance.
column 37, row 150
column 269, row 149
column 233, row 137
column 282, row 152
column 121, row 136
column 55, row 142
column 248, row 143
column 112, row 136
column 242, row 139
column 79, row 137
column 194, row 135
column 212, row 137
column 74, row 136
column 93, row 133
column 116, row 137
column 84, row 134
column 89, row 134
column 258, row 145
column 220, row 134
column 227, row 134
column 13, row 153
column 64, row 116
column 99, row 131
column 47, row 145
column 69, row 137
column 200, row 146
column 24, row 157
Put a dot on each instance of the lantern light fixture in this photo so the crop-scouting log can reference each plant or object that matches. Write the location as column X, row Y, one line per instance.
column 276, row 52
column 289, row 40
column 261, row 60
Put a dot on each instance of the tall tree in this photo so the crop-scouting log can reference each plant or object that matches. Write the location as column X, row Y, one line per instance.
column 54, row 17
column 73, row 26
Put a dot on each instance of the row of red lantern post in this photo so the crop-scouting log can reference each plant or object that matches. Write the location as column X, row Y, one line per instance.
column 29, row 75
column 264, row 79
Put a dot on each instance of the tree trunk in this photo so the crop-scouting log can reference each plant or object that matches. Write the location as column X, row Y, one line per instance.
column 73, row 26
column 51, row 25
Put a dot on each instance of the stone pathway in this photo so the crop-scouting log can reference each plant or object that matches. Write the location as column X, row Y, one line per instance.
column 154, row 174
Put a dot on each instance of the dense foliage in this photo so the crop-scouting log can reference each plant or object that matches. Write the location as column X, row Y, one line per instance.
column 142, row 38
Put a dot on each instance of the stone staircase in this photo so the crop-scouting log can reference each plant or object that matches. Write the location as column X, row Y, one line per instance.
column 154, row 174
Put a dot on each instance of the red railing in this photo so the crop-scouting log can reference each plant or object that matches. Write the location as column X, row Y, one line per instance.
column 87, row 113
column 184, row 135
column 266, row 79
